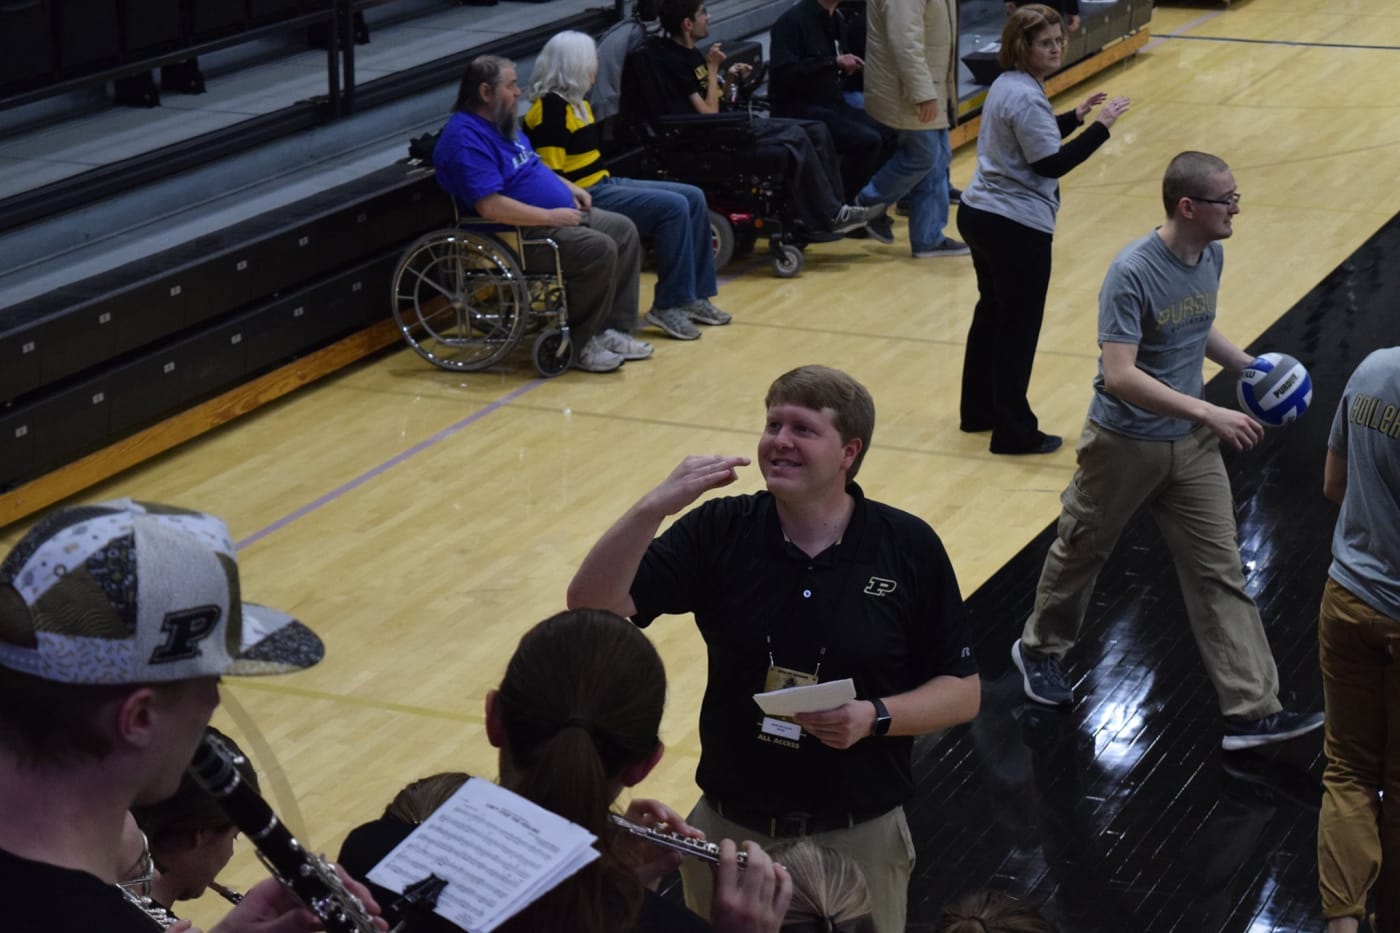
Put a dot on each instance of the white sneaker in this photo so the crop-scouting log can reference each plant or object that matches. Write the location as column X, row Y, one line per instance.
column 596, row 358
column 625, row 345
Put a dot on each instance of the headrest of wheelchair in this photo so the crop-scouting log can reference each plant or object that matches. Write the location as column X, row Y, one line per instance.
column 647, row 10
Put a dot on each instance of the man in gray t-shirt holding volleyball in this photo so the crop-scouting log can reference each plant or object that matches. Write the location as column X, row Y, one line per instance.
column 1152, row 440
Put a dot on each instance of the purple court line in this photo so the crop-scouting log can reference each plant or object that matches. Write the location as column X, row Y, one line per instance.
column 393, row 461
column 1198, row 21
column 416, row 449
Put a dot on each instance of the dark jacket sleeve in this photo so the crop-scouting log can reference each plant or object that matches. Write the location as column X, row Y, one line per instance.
column 1068, row 122
column 1073, row 152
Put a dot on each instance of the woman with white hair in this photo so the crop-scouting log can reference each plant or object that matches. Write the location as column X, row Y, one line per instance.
column 563, row 132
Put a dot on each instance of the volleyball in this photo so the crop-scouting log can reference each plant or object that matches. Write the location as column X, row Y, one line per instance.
column 1275, row 389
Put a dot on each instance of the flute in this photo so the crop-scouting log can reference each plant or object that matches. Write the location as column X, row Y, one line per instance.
column 699, row 848
column 227, row 893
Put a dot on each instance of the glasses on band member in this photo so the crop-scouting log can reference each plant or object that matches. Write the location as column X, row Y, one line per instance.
column 1232, row 201
column 139, row 877
column 1047, row 44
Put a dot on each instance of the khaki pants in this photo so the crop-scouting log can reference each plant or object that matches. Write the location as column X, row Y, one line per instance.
column 1358, row 835
column 882, row 847
column 1184, row 486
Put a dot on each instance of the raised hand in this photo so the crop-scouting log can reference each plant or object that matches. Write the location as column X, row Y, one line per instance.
column 1089, row 103
column 1114, row 109
column 695, row 476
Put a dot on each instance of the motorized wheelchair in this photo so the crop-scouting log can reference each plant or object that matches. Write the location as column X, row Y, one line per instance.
column 464, row 299
column 715, row 152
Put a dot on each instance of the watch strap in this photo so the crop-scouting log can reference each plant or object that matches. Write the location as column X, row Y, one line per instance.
column 882, row 717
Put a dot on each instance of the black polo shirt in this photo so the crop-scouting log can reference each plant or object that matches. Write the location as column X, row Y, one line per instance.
column 883, row 602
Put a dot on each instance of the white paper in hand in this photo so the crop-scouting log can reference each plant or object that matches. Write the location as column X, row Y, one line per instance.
column 806, row 699
column 497, row 850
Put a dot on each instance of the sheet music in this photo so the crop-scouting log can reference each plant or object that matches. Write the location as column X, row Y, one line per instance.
column 497, row 850
column 806, row 699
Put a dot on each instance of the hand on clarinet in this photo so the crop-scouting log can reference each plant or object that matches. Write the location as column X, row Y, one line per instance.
column 269, row 907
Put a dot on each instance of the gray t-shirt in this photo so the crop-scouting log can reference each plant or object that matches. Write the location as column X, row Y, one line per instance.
column 1018, row 128
column 1153, row 299
column 1366, row 431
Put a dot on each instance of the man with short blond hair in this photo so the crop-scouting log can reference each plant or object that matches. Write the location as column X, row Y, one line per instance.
column 805, row 582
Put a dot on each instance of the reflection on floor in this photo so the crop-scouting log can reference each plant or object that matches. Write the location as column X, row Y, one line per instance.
column 1122, row 814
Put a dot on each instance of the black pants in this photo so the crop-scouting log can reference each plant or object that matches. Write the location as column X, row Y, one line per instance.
column 861, row 143
column 812, row 179
column 1012, row 262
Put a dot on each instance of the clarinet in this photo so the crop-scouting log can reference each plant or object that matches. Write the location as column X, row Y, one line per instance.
column 304, row 873
column 699, row 848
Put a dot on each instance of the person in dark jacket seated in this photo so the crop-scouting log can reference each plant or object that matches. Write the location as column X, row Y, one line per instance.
column 809, row 67
column 688, row 81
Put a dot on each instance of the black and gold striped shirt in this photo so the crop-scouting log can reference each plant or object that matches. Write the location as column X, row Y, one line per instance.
column 564, row 142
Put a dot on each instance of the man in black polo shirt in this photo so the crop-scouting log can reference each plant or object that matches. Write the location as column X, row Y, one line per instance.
column 688, row 81
column 806, row 582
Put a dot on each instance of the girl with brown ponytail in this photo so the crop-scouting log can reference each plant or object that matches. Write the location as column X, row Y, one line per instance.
column 576, row 719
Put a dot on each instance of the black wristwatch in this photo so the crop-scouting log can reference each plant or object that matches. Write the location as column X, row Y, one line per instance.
column 882, row 717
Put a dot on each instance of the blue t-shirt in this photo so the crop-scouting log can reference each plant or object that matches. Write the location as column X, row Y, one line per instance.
column 1154, row 300
column 474, row 161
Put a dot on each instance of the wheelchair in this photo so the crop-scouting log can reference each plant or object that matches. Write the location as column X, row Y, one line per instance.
column 714, row 152
column 464, row 300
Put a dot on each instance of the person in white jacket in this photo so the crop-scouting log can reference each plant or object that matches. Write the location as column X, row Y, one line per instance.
column 911, row 87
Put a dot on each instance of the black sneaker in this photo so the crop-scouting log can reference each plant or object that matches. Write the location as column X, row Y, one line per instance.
column 1042, row 677
column 1278, row 727
column 881, row 228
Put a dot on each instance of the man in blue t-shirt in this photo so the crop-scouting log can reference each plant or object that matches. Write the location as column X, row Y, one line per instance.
column 484, row 162
column 1152, row 440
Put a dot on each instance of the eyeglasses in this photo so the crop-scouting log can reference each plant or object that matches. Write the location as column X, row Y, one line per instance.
column 139, row 876
column 1231, row 201
column 1050, row 44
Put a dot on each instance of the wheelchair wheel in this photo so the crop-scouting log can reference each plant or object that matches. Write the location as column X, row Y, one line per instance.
column 552, row 352
column 722, row 236
column 460, row 299
column 787, row 260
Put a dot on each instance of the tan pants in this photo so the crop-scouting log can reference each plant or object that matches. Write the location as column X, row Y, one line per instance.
column 882, row 847
column 1358, row 834
column 1183, row 484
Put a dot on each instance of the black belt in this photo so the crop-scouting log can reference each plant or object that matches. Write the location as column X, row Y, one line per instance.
column 796, row 823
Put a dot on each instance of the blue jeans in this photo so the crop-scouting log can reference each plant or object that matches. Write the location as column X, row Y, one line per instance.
column 918, row 168
column 676, row 219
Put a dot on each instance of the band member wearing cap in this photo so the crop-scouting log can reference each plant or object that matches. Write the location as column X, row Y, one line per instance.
column 806, row 582
column 116, row 622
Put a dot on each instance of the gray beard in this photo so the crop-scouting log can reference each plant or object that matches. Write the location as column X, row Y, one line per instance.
column 506, row 122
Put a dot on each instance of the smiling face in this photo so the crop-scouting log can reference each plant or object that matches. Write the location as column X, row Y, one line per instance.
column 801, row 452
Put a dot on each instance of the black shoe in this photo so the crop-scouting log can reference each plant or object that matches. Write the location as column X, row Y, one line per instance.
column 1277, row 727
column 1047, row 444
column 973, row 427
column 1042, row 677
column 881, row 228
column 954, row 196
